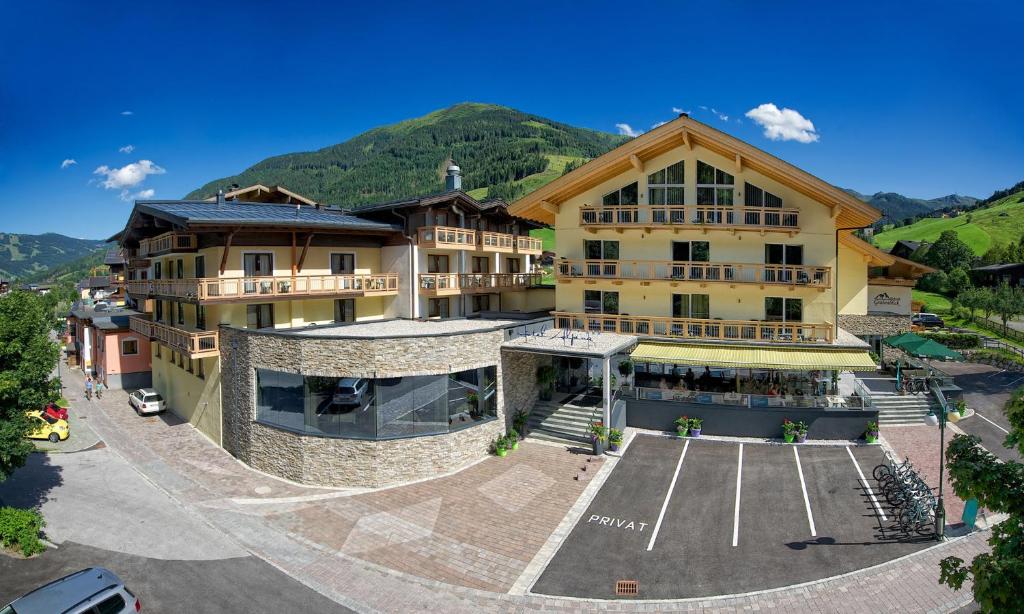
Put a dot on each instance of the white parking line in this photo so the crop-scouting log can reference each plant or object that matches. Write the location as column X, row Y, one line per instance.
column 803, row 486
column 736, row 515
column 668, row 495
column 978, row 414
column 864, row 481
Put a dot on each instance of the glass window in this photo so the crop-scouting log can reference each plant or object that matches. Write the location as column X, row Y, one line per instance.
column 259, row 316
column 437, row 263
column 481, row 302
column 181, row 268
column 345, row 310
column 714, row 186
column 691, row 251
column 754, row 196
column 129, row 347
column 201, row 317
column 437, row 308
column 472, row 397
column 601, row 250
column 481, row 264
column 691, row 306
column 280, row 399
column 156, row 270
column 111, row 605
column 159, row 313
column 598, row 301
column 181, row 314
column 513, row 265
column 665, row 187
column 778, row 309
column 200, row 266
column 626, row 195
column 343, row 264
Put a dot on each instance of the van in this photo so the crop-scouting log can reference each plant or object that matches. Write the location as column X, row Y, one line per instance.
column 350, row 391
column 91, row 591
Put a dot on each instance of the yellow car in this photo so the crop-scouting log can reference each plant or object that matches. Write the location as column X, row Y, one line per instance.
column 46, row 427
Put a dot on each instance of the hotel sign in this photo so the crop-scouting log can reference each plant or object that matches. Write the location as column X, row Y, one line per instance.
column 883, row 299
column 889, row 299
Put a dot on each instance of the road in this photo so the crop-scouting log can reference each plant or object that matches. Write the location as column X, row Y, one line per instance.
column 986, row 391
column 100, row 511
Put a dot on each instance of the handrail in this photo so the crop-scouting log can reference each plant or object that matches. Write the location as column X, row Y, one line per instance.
column 227, row 288
column 742, row 399
column 478, row 282
column 446, row 236
column 696, row 328
column 677, row 270
column 495, row 241
column 690, row 215
column 194, row 343
column 167, row 242
column 529, row 245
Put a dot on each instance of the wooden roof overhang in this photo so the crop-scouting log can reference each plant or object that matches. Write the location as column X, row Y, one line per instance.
column 872, row 255
column 542, row 204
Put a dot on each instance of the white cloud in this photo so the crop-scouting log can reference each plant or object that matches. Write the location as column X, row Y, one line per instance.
column 127, row 113
column 679, row 110
column 628, row 130
column 657, row 124
column 129, row 175
column 140, row 195
column 127, row 149
column 721, row 116
column 783, row 124
column 68, row 162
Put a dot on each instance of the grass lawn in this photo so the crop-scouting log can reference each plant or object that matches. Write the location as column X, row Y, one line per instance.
column 547, row 236
column 556, row 166
column 934, row 303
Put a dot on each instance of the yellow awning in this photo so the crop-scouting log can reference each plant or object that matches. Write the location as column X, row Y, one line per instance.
column 795, row 359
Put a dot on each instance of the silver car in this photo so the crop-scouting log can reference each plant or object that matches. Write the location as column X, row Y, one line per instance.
column 146, row 401
column 91, row 590
column 350, row 391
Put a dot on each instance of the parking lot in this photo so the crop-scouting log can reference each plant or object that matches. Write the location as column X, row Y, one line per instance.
column 986, row 391
column 696, row 518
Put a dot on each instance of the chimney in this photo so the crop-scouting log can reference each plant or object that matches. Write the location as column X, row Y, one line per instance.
column 453, row 178
column 220, row 197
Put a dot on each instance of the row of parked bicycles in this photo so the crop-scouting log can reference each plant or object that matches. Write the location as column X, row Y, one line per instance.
column 912, row 500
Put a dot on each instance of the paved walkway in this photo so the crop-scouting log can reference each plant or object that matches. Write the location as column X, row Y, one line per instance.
column 456, row 544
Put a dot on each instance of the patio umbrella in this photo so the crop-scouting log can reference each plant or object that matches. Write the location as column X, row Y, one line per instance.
column 899, row 341
column 929, row 348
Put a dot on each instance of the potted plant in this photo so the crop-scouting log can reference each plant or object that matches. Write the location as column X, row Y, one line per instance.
column 625, row 370
column 788, row 430
column 871, row 434
column 695, row 424
column 500, row 446
column 473, row 400
column 546, row 379
column 801, row 432
column 519, row 422
column 512, row 439
column 961, row 407
column 598, row 437
column 682, row 426
column 614, row 439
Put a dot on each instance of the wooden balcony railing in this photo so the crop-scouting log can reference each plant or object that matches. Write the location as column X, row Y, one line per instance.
column 696, row 216
column 167, row 243
column 669, row 270
column 242, row 289
column 529, row 245
column 696, row 328
column 440, row 284
column 193, row 343
column 446, row 237
column 495, row 242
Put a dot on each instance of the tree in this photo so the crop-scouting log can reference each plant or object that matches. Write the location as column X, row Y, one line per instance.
column 27, row 358
column 958, row 281
column 934, row 282
column 1008, row 302
column 975, row 473
column 949, row 253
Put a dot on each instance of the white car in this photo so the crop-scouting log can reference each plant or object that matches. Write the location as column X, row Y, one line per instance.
column 350, row 391
column 146, row 401
column 84, row 592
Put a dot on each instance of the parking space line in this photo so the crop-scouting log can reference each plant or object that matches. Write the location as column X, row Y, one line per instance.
column 871, row 494
column 736, row 515
column 978, row 414
column 668, row 495
column 803, row 486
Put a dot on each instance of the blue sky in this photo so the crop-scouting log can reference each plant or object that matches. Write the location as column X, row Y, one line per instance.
column 918, row 98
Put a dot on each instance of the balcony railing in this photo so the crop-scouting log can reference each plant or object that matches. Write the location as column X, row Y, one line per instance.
column 446, row 237
column 440, row 284
column 696, row 216
column 194, row 343
column 696, row 328
column 167, row 243
column 753, row 400
column 674, row 270
column 495, row 242
column 529, row 245
column 240, row 289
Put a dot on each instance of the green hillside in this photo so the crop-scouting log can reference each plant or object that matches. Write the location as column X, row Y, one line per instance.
column 503, row 153
column 997, row 224
column 896, row 207
column 22, row 255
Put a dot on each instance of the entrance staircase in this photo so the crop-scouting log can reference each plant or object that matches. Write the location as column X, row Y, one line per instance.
column 566, row 423
column 902, row 410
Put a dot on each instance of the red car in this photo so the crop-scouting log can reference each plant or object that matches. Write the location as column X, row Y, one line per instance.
column 52, row 410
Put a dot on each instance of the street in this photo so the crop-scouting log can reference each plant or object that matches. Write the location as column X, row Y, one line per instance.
column 986, row 391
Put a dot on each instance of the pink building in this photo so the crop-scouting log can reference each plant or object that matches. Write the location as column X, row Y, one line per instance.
column 107, row 349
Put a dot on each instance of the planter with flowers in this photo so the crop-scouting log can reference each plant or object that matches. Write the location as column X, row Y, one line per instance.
column 598, row 437
column 871, row 434
column 801, row 432
column 682, row 426
column 789, row 430
column 614, row 440
column 695, row 424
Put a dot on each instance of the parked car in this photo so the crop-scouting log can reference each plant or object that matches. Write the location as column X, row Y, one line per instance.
column 56, row 411
column 146, row 401
column 927, row 320
column 93, row 590
column 350, row 391
column 45, row 427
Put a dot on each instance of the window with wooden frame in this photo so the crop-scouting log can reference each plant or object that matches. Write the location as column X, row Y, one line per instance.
column 437, row 263
column 513, row 265
column 626, row 195
column 437, row 308
column 665, row 187
column 714, row 186
column 481, row 264
column 129, row 346
column 754, row 196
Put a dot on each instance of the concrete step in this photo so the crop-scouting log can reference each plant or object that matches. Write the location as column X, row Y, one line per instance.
column 570, row 439
column 565, row 425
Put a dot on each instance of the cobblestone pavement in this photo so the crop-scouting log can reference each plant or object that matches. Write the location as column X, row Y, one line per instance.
column 921, row 444
column 455, row 544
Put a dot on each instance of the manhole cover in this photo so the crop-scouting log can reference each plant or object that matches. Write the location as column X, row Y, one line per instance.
column 627, row 587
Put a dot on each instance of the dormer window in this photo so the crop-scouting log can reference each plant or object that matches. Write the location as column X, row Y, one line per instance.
column 626, row 195
column 714, row 186
column 665, row 187
column 754, row 196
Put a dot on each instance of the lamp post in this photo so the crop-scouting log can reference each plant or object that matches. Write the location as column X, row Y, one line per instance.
column 940, row 509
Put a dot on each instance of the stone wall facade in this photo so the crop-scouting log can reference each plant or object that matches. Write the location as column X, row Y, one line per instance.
column 881, row 324
column 520, row 389
column 340, row 462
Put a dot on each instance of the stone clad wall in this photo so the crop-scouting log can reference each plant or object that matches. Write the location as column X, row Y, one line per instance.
column 885, row 325
column 328, row 461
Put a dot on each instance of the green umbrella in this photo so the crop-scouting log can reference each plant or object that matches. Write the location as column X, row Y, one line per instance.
column 898, row 341
column 929, row 348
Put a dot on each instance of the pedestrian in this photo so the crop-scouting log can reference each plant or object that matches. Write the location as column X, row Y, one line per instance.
column 88, row 387
column 99, row 389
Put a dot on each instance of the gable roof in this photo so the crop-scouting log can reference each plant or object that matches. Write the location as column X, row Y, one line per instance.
column 261, row 193
column 541, row 204
column 872, row 254
column 186, row 213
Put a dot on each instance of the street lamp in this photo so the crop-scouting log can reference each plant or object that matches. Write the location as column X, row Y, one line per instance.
column 940, row 509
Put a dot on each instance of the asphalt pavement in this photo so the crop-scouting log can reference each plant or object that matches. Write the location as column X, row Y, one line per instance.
column 986, row 391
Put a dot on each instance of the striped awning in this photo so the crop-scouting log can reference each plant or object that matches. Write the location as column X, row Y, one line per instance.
column 794, row 359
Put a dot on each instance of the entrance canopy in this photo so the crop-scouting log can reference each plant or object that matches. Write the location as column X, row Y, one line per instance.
column 790, row 359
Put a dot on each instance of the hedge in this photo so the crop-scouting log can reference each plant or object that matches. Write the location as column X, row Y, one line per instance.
column 21, row 528
column 956, row 341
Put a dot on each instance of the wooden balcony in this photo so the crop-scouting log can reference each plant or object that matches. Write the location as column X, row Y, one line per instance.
column 697, row 328
column 680, row 217
column 261, row 289
column 529, row 246
column 703, row 272
column 447, row 284
column 446, row 237
column 495, row 242
column 192, row 343
column 167, row 243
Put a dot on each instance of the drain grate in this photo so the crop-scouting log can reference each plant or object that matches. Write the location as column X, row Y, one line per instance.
column 627, row 587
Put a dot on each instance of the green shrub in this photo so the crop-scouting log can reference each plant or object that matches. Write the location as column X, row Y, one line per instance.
column 956, row 341
column 21, row 528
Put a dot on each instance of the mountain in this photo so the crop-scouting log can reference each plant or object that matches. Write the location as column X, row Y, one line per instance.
column 897, row 207
column 502, row 152
column 22, row 255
